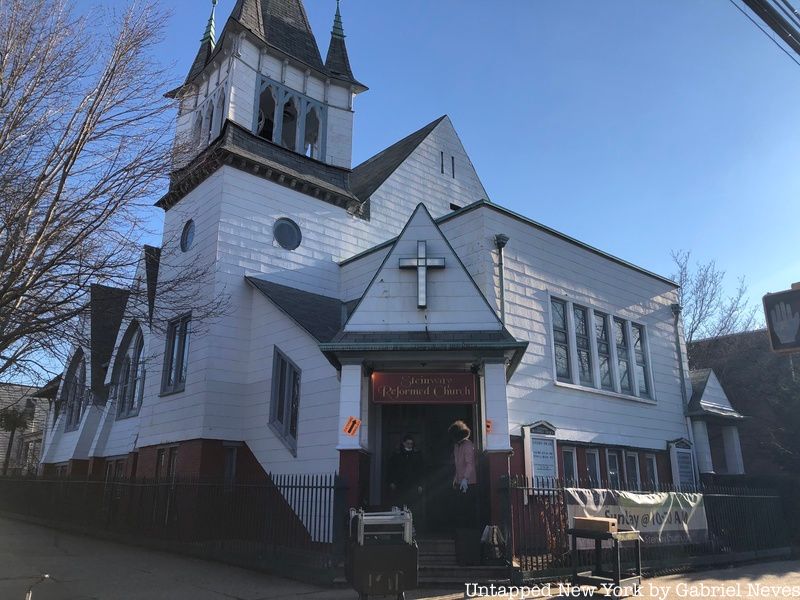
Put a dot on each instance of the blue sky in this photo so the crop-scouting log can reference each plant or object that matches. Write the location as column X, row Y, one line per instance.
column 637, row 127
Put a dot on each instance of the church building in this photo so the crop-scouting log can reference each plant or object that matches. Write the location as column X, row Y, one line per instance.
column 363, row 304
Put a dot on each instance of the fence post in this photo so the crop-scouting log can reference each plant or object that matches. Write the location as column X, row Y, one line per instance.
column 339, row 516
column 508, row 529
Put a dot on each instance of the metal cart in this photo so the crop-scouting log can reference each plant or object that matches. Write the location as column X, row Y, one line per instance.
column 381, row 553
column 599, row 577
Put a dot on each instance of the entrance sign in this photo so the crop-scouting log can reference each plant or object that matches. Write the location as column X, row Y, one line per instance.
column 782, row 311
column 422, row 263
column 661, row 518
column 423, row 388
column 543, row 455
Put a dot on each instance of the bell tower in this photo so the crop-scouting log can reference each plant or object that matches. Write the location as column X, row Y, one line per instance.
column 266, row 74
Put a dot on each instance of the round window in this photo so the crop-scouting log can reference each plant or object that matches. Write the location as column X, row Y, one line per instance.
column 287, row 233
column 187, row 237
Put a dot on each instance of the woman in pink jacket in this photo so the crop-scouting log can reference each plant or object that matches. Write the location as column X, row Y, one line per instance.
column 464, row 479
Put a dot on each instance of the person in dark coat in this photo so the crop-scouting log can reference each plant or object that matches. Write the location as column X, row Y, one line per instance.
column 406, row 473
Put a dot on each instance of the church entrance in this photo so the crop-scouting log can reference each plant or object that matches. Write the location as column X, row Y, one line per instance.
column 427, row 424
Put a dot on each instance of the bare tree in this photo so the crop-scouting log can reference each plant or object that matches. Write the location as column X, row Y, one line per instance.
column 12, row 420
column 708, row 311
column 85, row 146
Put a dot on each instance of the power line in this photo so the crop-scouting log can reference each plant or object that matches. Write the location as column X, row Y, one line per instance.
column 789, row 10
column 774, row 41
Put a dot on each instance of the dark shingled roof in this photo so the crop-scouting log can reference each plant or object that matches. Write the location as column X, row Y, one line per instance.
column 107, row 307
column 152, row 258
column 337, row 62
column 284, row 25
column 422, row 339
column 369, row 175
column 320, row 316
column 265, row 159
column 200, row 61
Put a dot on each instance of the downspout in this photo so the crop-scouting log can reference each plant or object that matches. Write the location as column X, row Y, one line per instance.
column 676, row 313
column 500, row 241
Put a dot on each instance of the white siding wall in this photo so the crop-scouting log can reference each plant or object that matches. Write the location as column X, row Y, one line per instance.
column 453, row 302
column 180, row 416
column 419, row 179
column 339, row 145
column 319, row 394
column 537, row 263
column 356, row 275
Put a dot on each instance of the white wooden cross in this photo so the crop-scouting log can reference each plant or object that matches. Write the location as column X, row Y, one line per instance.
column 422, row 263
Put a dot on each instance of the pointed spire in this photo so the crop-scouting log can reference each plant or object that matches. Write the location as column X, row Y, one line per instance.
column 337, row 62
column 338, row 30
column 210, row 34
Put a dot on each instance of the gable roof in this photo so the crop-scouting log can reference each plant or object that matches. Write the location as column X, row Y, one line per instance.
column 320, row 316
column 370, row 175
column 702, row 404
column 390, row 302
column 152, row 258
column 107, row 307
column 535, row 224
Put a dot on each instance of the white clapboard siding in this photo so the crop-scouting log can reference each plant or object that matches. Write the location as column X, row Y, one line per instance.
column 319, row 395
column 539, row 263
column 420, row 180
column 453, row 300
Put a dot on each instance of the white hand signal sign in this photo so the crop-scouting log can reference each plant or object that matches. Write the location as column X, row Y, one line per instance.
column 785, row 323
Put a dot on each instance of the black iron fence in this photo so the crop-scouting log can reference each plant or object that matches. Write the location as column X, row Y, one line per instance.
column 742, row 524
column 287, row 523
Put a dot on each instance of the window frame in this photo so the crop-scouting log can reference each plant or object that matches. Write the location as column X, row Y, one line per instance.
column 570, row 369
column 632, row 482
column 593, row 316
column 645, row 352
column 574, row 452
column 283, row 410
column 595, row 452
column 619, row 469
column 647, row 459
column 75, row 390
column 176, row 332
column 132, row 371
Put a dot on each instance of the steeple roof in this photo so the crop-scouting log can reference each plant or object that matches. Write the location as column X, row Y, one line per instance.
column 207, row 43
column 337, row 61
column 284, row 25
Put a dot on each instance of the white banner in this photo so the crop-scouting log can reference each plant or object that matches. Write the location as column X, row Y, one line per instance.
column 661, row 518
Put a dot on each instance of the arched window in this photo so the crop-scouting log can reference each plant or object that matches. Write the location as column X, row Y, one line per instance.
column 208, row 125
column 289, row 131
column 74, row 393
column 311, row 142
column 129, row 374
column 197, row 131
column 219, row 117
column 266, row 114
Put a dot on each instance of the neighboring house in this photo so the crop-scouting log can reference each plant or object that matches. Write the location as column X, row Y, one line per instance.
column 362, row 304
column 765, row 388
column 27, row 443
column 716, row 426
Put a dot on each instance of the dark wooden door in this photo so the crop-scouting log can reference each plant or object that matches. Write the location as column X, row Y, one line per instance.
column 428, row 424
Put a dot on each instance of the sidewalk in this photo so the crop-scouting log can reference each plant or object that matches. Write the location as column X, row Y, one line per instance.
column 83, row 568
